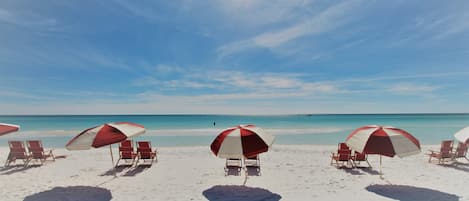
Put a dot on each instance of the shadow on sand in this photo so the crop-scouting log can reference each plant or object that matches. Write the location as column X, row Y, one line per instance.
column 410, row 193
column 136, row 170
column 253, row 171
column 239, row 193
column 370, row 171
column 457, row 166
column 352, row 171
column 129, row 170
column 113, row 171
column 87, row 193
column 232, row 171
column 17, row 168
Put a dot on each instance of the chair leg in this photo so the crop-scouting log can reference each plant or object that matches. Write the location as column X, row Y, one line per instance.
column 117, row 163
column 368, row 163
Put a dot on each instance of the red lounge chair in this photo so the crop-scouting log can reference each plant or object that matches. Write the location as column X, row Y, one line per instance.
column 145, row 152
column 253, row 163
column 343, row 155
column 126, row 152
column 17, row 152
column 446, row 152
column 461, row 151
column 233, row 166
column 37, row 152
column 360, row 157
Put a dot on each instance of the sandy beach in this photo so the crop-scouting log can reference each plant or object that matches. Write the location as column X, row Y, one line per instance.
column 192, row 173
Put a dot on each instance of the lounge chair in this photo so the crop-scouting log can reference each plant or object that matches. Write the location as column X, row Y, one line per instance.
column 446, row 152
column 360, row 157
column 343, row 156
column 253, row 165
column 233, row 166
column 127, row 153
column 17, row 152
column 37, row 152
column 145, row 152
column 461, row 151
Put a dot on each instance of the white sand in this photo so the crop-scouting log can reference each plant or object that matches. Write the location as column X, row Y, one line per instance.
column 193, row 173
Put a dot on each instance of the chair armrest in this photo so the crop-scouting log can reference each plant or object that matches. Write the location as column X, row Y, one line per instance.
column 433, row 151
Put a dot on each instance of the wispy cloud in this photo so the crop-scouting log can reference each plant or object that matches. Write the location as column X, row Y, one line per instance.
column 26, row 20
column 412, row 89
column 403, row 77
column 325, row 21
column 456, row 23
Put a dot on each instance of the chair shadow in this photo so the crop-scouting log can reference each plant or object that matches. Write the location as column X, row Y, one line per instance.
column 18, row 168
column 239, row 193
column 352, row 171
column 114, row 171
column 456, row 166
column 88, row 193
column 370, row 171
column 232, row 171
column 253, row 171
column 136, row 170
column 410, row 193
column 458, row 163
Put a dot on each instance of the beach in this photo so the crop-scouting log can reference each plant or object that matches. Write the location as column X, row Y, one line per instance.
column 288, row 172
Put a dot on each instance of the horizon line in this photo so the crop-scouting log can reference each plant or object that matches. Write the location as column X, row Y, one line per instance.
column 286, row 114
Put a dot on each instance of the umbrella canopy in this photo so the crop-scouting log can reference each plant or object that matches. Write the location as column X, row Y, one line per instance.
column 463, row 135
column 8, row 128
column 105, row 134
column 242, row 140
column 383, row 140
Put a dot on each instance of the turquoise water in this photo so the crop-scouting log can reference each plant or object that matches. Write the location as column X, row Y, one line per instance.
column 186, row 130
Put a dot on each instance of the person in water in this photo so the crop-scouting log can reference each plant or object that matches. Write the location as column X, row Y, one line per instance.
column 214, row 123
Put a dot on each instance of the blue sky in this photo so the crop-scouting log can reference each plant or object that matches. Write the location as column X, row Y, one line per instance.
column 233, row 57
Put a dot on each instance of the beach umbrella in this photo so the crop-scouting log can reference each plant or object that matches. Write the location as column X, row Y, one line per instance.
column 241, row 141
column 463, row 135
column 106, row 134
column 8, row 128
column 384, row 141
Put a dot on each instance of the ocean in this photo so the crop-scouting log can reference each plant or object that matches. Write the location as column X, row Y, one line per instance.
column 200, row 130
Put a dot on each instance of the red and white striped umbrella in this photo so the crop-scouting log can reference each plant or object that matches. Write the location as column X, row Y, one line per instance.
column 242, row 140
column 463, row 135
column 8, row 128
column 105, row 134
column 383, row 140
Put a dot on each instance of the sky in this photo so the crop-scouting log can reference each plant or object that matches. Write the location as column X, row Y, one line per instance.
column 233, row 57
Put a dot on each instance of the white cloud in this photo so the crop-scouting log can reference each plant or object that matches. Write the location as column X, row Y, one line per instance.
column 26, row 20
column 327, row 20
column 412, row 89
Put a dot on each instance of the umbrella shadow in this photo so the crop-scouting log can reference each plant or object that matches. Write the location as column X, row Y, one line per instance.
column 87, row 193
column 17, row 168
column 239, row 193
column 410, row 193
column 136, row 170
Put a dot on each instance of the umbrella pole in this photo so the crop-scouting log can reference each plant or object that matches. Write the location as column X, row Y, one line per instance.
column 112, row 157
column 380, row 167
